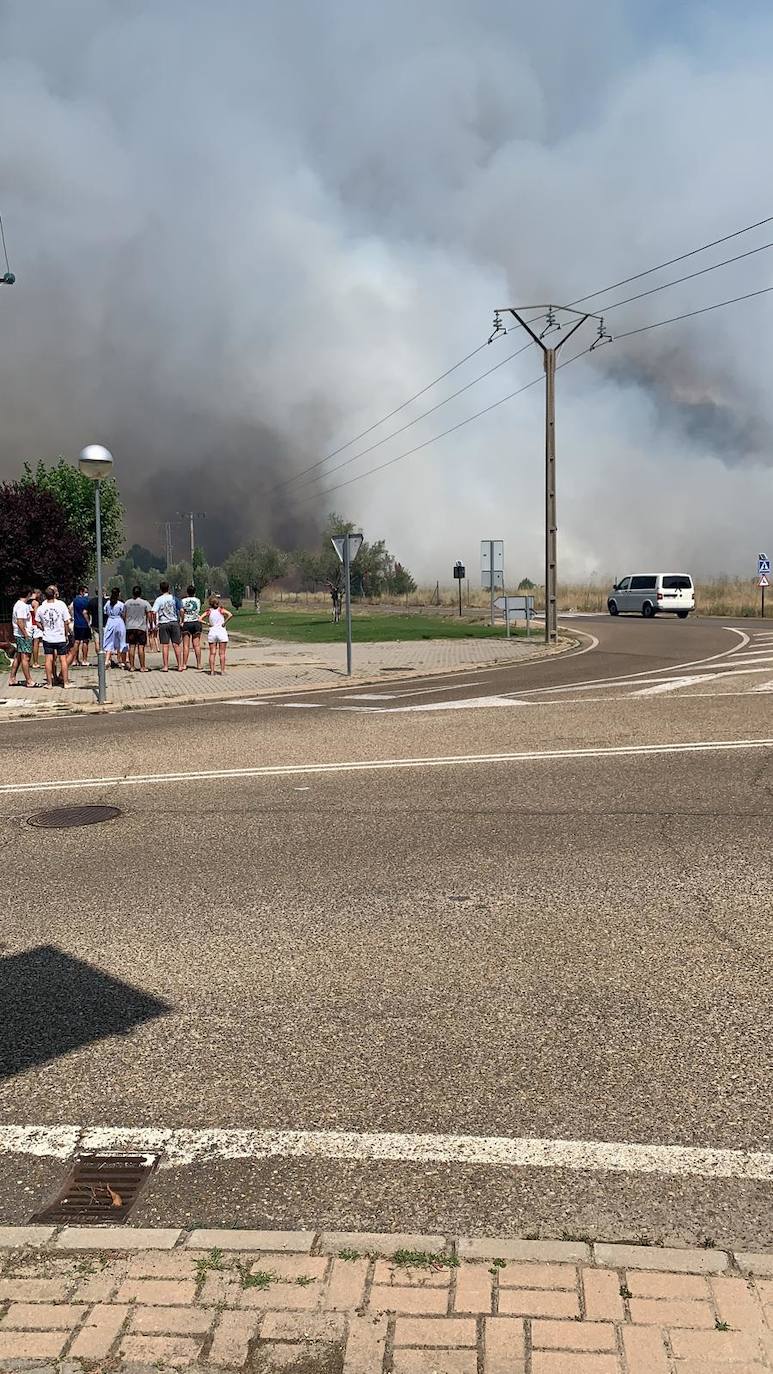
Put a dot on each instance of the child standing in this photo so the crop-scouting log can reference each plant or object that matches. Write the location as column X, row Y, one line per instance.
column 217, row 638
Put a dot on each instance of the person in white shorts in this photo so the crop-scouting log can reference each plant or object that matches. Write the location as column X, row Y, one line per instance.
column 217, row 617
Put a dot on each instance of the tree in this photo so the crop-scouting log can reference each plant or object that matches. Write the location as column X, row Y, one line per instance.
column 256, row 565
column 75, row 493
column 235, row 590
column 372, row 573
column 179, row 575
column 142, row 558
column 400, row 582
column 525, row 585
column 38, row 544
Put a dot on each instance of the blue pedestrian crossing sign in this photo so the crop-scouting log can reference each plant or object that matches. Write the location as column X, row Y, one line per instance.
column 763, row 563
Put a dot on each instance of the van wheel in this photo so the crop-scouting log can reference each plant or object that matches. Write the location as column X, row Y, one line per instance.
column 648, row 610
column 612, row 608
column 683, row 614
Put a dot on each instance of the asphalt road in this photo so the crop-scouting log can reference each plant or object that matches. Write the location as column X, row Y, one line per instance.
column 564, row 948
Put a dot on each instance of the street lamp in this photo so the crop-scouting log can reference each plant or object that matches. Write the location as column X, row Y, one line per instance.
column 96, row 462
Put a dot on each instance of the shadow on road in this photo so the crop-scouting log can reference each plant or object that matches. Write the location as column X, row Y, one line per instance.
column 52, row 1003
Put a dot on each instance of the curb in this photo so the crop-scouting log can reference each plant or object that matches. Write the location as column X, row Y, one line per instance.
column 47, row 710
column 597, row 1254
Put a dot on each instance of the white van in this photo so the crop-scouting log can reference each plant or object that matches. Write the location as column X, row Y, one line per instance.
column 648, row 594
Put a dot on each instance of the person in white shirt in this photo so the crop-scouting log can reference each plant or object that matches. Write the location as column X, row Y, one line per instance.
column 54, row 620
column 218, row 617
column 22, row 638
column 169, row 630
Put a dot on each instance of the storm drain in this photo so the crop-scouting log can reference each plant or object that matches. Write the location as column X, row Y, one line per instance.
column 62, row 817
column 99, row 1190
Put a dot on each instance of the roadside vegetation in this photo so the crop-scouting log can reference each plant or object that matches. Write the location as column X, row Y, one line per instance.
column 315, row 626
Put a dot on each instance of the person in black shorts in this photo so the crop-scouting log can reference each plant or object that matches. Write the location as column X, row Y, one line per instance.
column 190, row 621
column 139, row 616
column 167, row 617
column 81, row 629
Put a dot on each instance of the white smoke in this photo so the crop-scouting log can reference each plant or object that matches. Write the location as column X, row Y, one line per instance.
column 244, row 232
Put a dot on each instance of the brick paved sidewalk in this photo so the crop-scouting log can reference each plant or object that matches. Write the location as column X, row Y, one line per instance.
column 271, row 667
column 119, row 1298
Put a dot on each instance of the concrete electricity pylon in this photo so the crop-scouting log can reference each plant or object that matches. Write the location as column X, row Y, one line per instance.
column 550, row 313
column 191, row 516
column 166, row 526
column 7, row 278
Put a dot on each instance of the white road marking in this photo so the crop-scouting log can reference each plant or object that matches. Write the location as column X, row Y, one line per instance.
column 284, row 770
column 672, row 686
column 371, row 696
column 623, row 680
column 767, row 657
column 301, row 705
column 469, row 704
column 416, row 692
column 183, row 1146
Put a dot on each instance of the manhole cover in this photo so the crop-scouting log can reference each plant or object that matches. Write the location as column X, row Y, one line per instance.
column 99, row 1189
column 60, row 817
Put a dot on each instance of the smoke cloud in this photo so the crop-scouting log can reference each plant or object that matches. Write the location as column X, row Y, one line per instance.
column 244, row 232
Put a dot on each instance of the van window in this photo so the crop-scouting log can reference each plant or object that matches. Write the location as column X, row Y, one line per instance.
column 643, row 584
column 624, row 585
column 674, row 581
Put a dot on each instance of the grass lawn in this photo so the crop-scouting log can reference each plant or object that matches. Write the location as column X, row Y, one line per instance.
column 316, row 627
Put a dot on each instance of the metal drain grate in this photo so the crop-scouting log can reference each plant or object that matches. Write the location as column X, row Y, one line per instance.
column 62, row 817
column 99, row 1189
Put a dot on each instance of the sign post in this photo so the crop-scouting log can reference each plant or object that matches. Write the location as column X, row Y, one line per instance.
column 460, row 573
column 763, row 576
column 347, row 546
column 492, row 567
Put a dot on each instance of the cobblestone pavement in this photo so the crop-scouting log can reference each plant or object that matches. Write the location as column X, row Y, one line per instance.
column 274, row 666
column 349, row 1303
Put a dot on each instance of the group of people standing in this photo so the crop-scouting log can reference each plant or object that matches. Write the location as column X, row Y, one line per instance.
column 130, row 626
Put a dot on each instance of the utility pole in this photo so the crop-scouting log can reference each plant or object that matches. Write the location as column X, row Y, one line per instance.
column 491, row 595
column 7, row 278
column 549, row 357
column 166, row 526
column 191, row 516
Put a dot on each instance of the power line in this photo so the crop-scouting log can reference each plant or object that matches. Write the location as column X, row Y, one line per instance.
column 317, row 495
column 512, row 394
column 653, row 290
column 689, row 277
column 365, row 432
column 320, row 462
column 688, row 315
column 362, row 453
column 671, row 261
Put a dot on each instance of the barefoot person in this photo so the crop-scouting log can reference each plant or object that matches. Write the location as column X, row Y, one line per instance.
column 139, row 615
column 217, row 638
column 54, row 620
column 190, row 616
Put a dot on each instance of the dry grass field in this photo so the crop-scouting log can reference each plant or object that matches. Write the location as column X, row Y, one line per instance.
column 721, row 596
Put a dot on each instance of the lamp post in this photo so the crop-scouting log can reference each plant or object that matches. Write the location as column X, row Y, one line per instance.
column 96, row 462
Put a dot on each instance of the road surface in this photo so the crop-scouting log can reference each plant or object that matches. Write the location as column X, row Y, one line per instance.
column 497, row 945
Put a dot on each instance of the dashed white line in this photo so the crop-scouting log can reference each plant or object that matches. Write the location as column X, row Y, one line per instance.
column 184, row 1147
